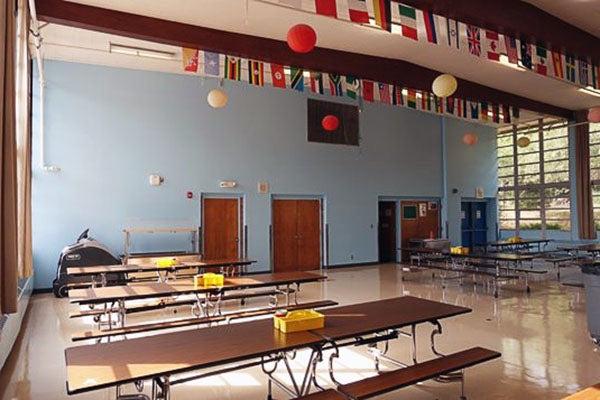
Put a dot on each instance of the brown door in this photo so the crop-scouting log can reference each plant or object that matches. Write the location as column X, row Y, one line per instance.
column 296, row 235
column 419, row 220
column 221, row 228
column 285, row 243
column 309, row 234
column 387, row 231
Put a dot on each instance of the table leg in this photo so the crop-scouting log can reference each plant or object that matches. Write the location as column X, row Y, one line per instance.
column 297, row 389
column 496, row 279
column 161, row 388
column 122, row 312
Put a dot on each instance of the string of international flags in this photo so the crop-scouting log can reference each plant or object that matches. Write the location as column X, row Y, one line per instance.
column 424, row 26
column 220, row 66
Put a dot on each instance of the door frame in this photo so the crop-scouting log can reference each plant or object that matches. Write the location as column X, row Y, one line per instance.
column 242, row 227
column 397, row 208
column 323, row 226
column 398, row 200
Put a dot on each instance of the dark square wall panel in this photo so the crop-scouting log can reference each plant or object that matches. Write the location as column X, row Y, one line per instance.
column 347, row 131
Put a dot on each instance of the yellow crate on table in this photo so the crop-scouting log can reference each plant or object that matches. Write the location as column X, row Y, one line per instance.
column 459, row 250
column 514, row 239
column 299, row 320
column 209, row 279
column 166, row 262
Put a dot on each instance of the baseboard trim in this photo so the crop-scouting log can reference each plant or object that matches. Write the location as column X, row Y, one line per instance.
column 41, row 290
column 362, row 264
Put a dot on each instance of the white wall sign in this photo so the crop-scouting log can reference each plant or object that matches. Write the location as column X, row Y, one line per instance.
column 479, row 194
column 263, row 187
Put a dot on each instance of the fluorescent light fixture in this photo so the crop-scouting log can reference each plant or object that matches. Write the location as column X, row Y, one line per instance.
column 140, row 51
column 590, row 90
column 306, row 74
column 504, row 61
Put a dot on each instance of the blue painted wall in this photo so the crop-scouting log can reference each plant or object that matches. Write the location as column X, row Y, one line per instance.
column 466, row 168
column 109, row 128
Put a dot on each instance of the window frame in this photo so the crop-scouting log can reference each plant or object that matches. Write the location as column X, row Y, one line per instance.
column 594, row 141
column 513, row 191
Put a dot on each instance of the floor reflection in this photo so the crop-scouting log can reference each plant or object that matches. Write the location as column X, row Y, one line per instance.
column 546, row 352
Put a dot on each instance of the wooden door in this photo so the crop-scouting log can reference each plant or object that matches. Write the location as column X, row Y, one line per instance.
column 409, row 224
column 285, row 241
column 309, row 234
column 296, row 235
column 420, row 219
column 429, row 224
column 221, row 228
column 387, row 231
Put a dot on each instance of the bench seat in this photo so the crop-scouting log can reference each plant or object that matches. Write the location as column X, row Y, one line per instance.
column 403, row 377
column 178, row 303
column 185, row 322
column 467, row 270
column 328, row 394
column 591, row 393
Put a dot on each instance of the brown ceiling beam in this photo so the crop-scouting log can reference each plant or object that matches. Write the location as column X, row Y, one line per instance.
column 517, row 19
column 334, row 61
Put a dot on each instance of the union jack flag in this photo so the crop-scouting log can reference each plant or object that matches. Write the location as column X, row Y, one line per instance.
column 474, row 39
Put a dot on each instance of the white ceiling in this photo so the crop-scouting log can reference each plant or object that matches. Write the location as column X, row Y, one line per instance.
column 584, row 14
column 267, row 20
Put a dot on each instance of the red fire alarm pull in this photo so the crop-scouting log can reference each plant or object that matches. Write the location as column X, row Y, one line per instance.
column 190, row 195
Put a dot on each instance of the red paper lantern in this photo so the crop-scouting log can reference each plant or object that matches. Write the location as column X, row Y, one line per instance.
column 594, row 114
column 301, row 38
column 330, row 123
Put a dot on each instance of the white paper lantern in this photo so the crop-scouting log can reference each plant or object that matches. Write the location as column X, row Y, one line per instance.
column 217, row 98
column 444, row 85
column 523, row 141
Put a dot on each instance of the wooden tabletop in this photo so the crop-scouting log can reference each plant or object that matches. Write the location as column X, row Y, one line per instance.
column 365, row 318
column 501, row 243
column 151, row 267
column 102, row 365
column 481, row 256
column 497, row 256
column 590, row 247
column 591, row 393
column 186, row 286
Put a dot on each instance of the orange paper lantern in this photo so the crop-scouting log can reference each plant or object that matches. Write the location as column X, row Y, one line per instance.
column 301, row 38
column 330, row 123
column 470, row 139
column 594, row 114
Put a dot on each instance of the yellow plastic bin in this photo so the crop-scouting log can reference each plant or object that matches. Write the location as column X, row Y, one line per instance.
column 166, row 262
column 209, row 279
column 459, row 250
column 299, row 320
column 515, row 239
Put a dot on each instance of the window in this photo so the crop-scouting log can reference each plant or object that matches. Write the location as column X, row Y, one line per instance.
column 533, row 177
column 595, row 170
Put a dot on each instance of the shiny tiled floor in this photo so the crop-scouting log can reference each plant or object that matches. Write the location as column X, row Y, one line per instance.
column 546, row 352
